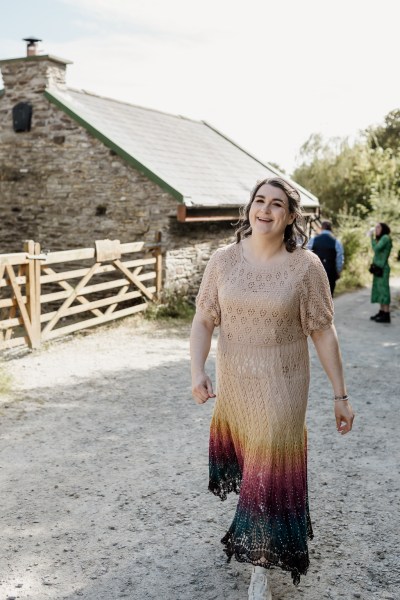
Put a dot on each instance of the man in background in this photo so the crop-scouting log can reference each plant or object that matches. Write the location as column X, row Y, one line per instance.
column 330, row 251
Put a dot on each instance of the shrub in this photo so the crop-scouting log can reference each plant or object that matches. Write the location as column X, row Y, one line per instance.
column 173, row 305
column 353, row 235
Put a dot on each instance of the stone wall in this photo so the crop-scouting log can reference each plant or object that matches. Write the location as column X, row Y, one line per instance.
column 191, row 246
column 61, row 186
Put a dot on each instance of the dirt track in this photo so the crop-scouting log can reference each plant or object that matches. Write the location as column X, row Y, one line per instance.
column 104, row 472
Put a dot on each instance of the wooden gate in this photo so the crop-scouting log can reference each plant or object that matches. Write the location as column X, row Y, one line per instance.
column 47, row 295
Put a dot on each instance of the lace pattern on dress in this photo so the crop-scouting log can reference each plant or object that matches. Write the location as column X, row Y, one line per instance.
column 258, row 445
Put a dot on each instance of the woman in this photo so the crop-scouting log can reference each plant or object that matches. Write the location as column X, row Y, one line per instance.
column 267, row 294
column 382, row 246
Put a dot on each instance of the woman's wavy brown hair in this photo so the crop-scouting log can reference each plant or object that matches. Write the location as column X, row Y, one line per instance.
column 294, row 234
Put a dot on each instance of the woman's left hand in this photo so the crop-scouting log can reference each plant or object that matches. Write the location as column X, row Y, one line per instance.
column 344, row 416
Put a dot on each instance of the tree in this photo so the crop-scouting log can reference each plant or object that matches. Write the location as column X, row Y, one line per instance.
column 357, row 185
column 336, row 172
column 386, row 136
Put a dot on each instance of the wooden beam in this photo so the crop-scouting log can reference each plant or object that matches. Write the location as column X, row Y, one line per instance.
column 18, row 258
column 158, row 257
column 111, row 308
column 21, row 280
column 134, row 279
column 132, row 247
column 21, row 305
column 211, row 219
column 13, row 311
column 85, row 253
column 69, row 300
column 32, row 292
column 10, row 322
column 69, row 255
column 188, row 215
column 74, row 310
column 181, row 213
column 6, row 302
column 96, row 321
column 69, row 288
column 98, row 287
column 124, row 290
column 53, row 276
column 37, row 290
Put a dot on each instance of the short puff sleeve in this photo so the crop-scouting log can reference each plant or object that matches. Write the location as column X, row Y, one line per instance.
column 207, row 303
column 316, row 305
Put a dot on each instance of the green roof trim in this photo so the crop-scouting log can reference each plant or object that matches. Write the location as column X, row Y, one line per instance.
column 117, row 149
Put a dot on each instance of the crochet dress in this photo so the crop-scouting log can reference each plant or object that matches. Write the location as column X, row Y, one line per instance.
column 258, row 438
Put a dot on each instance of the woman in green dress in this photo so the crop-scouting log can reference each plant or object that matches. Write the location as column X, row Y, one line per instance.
column 381, row 245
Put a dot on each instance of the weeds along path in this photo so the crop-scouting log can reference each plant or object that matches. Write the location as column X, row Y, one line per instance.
column 104, row 472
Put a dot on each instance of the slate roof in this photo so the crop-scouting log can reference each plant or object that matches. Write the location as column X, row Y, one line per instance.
column 190, row 159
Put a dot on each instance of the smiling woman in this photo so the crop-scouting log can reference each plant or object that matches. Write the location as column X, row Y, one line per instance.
column 274, row 201
column 268, row 294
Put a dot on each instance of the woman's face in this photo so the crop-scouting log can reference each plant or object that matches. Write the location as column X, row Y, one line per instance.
column 378, row 229
column 269, row 211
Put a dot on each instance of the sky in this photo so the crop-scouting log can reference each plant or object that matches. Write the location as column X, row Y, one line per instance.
column 267, row 74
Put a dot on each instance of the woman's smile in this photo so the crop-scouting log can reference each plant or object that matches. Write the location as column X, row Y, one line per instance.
column 270, row 207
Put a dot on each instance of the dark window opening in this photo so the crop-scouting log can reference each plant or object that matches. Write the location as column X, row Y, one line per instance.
column 22, row 117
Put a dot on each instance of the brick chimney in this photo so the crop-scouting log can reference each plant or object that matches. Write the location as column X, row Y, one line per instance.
column 32, row 46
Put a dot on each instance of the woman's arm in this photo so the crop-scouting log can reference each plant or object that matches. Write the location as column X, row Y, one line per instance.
column 382, row 250
column 200, row 343
column 327, row 346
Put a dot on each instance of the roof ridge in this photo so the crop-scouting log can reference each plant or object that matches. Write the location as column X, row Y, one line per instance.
column 161, row 112
column 266, row 164
column 228, row 139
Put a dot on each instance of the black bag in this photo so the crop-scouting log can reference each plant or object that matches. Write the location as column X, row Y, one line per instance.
column 375, row 270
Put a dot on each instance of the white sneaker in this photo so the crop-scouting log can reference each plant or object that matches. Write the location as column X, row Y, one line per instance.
column 259, row 588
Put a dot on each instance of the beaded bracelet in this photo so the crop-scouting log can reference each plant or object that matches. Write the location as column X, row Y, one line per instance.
column 338, row 398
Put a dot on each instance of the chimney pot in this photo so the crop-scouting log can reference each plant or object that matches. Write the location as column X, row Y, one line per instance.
column 32, row 46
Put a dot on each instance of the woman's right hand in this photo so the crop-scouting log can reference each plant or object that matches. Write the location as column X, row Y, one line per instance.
column 202, row 388
column 344, row 416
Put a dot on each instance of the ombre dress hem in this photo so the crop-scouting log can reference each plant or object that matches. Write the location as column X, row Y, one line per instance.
column 232, row 549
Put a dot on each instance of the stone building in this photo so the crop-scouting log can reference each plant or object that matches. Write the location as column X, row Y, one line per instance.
column 76, row 167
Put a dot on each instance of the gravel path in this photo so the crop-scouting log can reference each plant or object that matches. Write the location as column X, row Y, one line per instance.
column 104, row 472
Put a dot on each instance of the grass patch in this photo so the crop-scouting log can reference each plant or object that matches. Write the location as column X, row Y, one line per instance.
column 172, row 306
column 5, row 381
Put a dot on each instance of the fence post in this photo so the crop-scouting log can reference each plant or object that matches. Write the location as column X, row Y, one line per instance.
column 33, row 292
column 38, row 305
column 158, row 256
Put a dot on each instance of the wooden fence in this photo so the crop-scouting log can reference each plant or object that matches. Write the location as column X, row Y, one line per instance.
column 44, row 296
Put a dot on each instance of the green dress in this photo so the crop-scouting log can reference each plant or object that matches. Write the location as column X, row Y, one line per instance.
column 380, row 285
